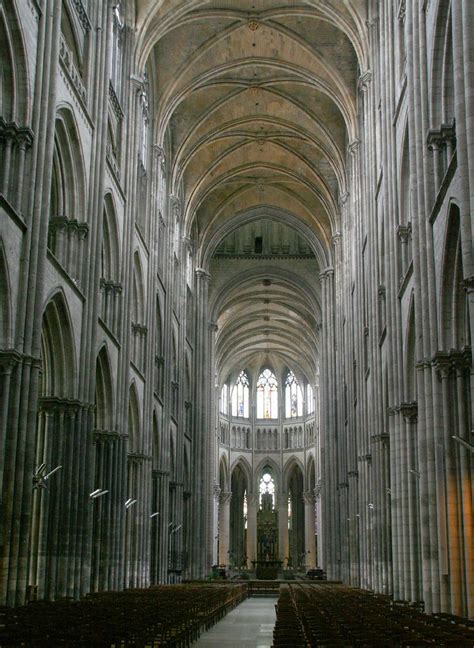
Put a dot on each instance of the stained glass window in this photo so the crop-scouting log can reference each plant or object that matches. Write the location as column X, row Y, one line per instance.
column 267, row 395
column 240, row 396
column 267, row 485
column 293, row 397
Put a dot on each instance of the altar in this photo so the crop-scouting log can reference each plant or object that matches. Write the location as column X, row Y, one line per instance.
column 267, row 569
column 267, row 565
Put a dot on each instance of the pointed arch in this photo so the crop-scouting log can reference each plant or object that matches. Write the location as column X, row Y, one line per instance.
column 156, row 441
column 410, row 353
column 240, row 395
column 267, row 394
column 453, row 328
column 110, row 256
column 291, row 465
column 242, row 464
column 138, row 291
column 310, row 474
column 104, row 392
column 267, row 463
column 69, row 182
column 14, row 82
column 6, row 340
column 224, row 474
column 158, row 328
column 442, row 75
column 58, row 375
column 134, row 417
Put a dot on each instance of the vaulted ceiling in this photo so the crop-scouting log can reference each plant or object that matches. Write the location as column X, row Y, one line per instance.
column 255, row 101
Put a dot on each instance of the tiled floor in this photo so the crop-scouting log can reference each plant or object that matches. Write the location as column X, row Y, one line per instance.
column 249, row 625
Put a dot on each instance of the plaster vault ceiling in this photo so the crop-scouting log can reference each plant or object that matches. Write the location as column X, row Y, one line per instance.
column 255, row 104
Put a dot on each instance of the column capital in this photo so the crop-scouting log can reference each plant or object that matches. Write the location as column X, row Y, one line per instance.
column 175, row 203
column 442, row 363
column 202, row 274
column 365, row 80
column 336, row 238
column 213, row 327
column 326, row 273
column 225, row 497
column 343, row 198
column 309, row 498
column 353, row 147
column 468, row 284
column 409, row 411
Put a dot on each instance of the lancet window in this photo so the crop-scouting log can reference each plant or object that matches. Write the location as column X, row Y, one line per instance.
column 293, row 397
column 267, row 488
column 240, row 396
column 267, row 395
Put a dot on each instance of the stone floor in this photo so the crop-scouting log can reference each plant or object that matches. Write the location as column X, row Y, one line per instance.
column 249, row 625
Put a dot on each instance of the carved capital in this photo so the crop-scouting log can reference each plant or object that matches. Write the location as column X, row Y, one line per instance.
column 202, row 274
column 353, row 147
column 404, row 232
column 468, row 284
column 365, row 81
column 409, row 411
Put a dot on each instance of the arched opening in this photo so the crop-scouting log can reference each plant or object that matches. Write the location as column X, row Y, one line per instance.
column 56, row 472
column 133, row 507
column 237, row 557
column 296, row 529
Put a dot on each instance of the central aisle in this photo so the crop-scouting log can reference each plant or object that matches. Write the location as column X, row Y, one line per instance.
column 249, row 625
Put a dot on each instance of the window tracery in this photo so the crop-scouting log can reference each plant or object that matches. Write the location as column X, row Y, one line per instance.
column 267, row 487
column 267, row 395
column 293, row 397
column 240, row 396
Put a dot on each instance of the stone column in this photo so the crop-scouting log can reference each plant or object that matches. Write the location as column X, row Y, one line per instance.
column 216, row 525
column 252, row 504
column 309, row 530
column 283, row 527
column 224, row 527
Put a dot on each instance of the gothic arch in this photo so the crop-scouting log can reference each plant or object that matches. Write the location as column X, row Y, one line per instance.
column 242, row 464
column 224, row 481
column 68, row 185
column 225, row 226
column 110, row 259
column 6, row 340
column 134, row 418
column 58, row 375
column 104, row 392
column 259, row 470
column 310, row 481
column 14, row 81
column 453, row 327
column 138, row 291
column 156, row 442
column 410, row 353
column 293, row 463
column 442, row 68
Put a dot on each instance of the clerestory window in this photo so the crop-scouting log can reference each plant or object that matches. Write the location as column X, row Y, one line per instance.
column 267, row 395
column 240, row 396
column 293, row 397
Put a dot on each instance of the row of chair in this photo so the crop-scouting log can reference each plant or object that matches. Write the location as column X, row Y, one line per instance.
column 339, row 615
column 170, row 616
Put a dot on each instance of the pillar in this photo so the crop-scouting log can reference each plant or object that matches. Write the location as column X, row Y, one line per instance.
column 309, row 530
column 224, row 527
column 252, row 503
column 283, row 528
